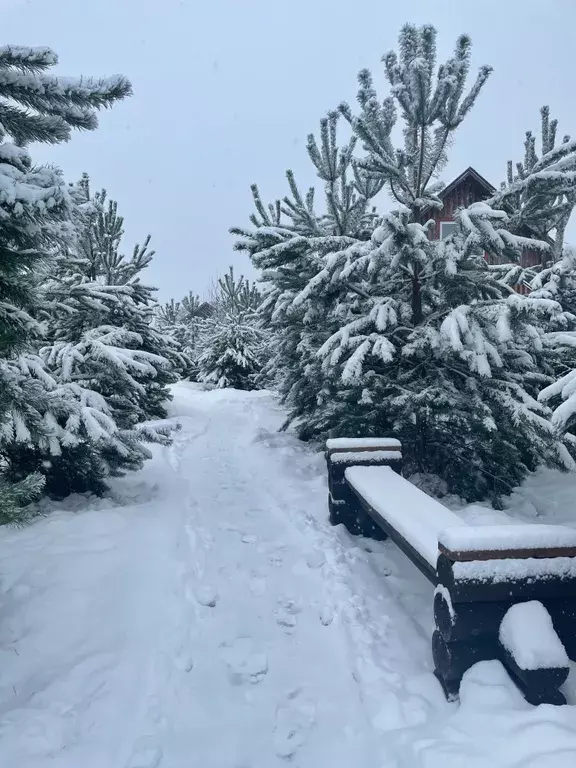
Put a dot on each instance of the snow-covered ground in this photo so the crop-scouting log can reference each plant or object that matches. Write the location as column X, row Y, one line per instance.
column 209, row 617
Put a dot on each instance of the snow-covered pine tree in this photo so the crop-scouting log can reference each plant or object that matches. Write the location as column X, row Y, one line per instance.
column 288, row 242
column 555, row 277
column 430, row 345
column 181, row 320
column 557, row 282
column 532, row 210
column 169, row 320
column 35, row 207
column 35, row 106
column 102, row 337
column 232, row 342
column 137, row 307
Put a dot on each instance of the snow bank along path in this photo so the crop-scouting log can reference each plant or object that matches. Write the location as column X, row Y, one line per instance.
column 210, row 617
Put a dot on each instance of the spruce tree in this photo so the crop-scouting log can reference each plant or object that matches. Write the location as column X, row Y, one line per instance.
column 36, row 208
column 423, row 340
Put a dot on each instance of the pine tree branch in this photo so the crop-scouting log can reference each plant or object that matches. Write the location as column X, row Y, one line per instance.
column 437, row 157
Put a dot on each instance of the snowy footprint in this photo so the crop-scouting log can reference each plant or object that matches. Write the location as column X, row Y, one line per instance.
column 228, row 527
column 326, row 615
column 257, row 583
column 207, row 596
column 315, row 559
column 287, row 613
column 245, row 664
column 295, row 717
column 185, row 662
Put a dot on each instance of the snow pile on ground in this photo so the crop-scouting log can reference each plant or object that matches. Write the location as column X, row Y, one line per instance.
column 546, row 496
column 207, row 616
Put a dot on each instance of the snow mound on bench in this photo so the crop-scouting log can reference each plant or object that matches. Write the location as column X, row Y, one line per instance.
column 528, row 635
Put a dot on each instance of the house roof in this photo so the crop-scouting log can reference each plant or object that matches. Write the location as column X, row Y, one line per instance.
column 468, row 173
column 205, row 310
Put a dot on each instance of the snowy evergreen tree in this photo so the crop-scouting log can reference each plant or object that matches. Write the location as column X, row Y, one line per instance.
column 232, row 341
column 35, row 106
column 170, row 320
column 288, row 242
column 35, row 207
column 544, row 206
column 557, row 282
column 136, row 307
column 422, row 339
column 102, row 338
column 181, row 320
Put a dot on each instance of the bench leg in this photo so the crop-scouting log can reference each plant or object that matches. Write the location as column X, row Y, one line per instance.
column 452, row 660
column 365, row 526
column 467, row 633
column 350, row 514
column 451, row 688
column 337, row 510
column 343, row 504
column 465, row 621
column 563, row 614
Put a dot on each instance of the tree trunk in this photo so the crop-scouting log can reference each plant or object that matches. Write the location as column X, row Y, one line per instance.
column 417, row 316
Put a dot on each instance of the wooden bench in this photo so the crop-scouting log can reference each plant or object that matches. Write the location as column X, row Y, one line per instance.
column 479, row 572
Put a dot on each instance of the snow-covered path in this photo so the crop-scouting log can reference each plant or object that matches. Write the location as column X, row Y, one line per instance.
column 213, row 619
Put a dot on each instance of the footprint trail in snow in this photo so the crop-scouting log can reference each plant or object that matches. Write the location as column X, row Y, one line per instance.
column 216, row 620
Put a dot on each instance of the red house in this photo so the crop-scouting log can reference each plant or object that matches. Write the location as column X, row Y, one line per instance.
column 470, row 187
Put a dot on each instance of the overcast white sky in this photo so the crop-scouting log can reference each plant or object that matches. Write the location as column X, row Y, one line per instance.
column 225, row 92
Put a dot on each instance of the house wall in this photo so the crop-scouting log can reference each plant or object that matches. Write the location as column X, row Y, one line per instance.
column 466, row 193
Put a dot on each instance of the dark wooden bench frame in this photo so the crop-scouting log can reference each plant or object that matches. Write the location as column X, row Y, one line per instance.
column 467, row 613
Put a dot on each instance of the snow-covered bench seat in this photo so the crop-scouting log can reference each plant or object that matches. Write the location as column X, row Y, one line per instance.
column 411, row 518
column 480, row 572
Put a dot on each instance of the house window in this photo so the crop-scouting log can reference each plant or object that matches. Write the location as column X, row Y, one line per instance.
column 446, row 228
